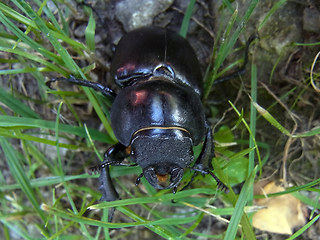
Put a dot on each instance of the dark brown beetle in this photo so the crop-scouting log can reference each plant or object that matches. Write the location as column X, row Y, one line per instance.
column 158, row 114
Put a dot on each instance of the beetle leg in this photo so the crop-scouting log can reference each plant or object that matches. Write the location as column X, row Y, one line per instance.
column 116, row 154
column 207, row 152
column 107, row 189
column 204, row 161
column 242, row 69
column 139, row 179
column 108, row 92
column 113, row 156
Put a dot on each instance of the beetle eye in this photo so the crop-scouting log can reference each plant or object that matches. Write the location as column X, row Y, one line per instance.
column 176, row 175
column 164, row 70
column 174, row 172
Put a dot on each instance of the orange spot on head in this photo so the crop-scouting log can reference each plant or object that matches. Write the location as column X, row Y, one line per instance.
column 162, row 178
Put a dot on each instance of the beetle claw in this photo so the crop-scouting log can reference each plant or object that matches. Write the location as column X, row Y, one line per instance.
column 220, row 184
column 173, row 201
column 94, row 170
column 139, row 179
column 174, row 190
column 97, row 169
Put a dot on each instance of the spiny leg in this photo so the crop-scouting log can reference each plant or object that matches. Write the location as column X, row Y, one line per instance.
column 108, row 92
column 242, row 69
column 203, row 164
column 113, row 156
column 107, row 189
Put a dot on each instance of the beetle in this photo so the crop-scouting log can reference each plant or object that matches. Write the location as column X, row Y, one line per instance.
column 157, row 116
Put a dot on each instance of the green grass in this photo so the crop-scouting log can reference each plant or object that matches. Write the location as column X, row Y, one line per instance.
column 46, row 198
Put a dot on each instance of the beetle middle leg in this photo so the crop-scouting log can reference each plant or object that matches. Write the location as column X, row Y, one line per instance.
column 113, row 156
column 107, row 189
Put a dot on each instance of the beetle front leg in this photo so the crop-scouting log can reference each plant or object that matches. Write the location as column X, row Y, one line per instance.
column 204, row 161
column 108, row 92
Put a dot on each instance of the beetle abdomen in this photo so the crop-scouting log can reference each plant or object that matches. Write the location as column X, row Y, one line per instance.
column 157, row 103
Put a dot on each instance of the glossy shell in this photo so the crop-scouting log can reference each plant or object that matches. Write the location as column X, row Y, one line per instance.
column 142, row 51
column 157, row 102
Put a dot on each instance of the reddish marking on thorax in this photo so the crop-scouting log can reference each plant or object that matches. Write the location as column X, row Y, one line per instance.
column 139, row 97
column 126, row 68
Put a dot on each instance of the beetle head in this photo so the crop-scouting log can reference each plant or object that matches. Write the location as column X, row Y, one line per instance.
column 162, row 153
column 163, row 177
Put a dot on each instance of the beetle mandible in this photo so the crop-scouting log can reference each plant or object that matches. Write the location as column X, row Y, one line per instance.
column 157, row 116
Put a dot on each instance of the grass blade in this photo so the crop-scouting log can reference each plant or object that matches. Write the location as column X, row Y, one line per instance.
column 19, row 175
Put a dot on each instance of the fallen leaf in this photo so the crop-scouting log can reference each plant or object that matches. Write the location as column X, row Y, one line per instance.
column 281, row 214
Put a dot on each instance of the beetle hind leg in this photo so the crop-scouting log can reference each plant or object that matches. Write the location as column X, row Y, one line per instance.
column 242, row 69
column 220, row 184
column 203, row 164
